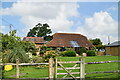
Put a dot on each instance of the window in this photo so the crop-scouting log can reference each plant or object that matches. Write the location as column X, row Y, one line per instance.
column 32, row 39
column 86, row 44
column 26, row 39
column 74, row 44
column 59, row 38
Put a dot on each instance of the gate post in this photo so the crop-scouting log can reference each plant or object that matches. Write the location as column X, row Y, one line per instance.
column 51, row 69
column 82, row 68
column 17, row 68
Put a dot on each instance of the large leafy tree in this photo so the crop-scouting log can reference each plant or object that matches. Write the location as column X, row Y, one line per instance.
column 40, row 30
column 97, row 43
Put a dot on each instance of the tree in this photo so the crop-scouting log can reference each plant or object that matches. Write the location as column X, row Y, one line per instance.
column 40, row 30
column 13, row 48
column 29, row 46
column 97, row 43
column 8, row 42
column 17, row 52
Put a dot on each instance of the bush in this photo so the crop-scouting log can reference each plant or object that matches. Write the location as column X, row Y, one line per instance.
column 91, row 53
column 43, row 49
column 37, row 59
column 50, row 54
column 82, row 50
column 68, row 53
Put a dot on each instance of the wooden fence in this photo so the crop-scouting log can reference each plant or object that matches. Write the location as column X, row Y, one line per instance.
column 102, row 62
column 17, row 64
column 53, row 68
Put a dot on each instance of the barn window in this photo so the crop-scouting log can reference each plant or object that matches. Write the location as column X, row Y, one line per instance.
column 74, row 44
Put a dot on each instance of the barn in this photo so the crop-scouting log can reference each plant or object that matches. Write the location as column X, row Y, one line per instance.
column 113, row 49
column 69, row 40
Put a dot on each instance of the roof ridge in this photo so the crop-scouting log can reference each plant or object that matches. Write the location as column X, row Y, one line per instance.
column 70, row 34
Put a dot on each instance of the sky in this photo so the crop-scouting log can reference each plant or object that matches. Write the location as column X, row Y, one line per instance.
column 91, row 19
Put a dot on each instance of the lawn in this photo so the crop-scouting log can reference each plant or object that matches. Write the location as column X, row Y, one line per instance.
column 38, row 72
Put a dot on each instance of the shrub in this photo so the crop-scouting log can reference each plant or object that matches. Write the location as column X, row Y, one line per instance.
column 82, row 50
column 50, row 54
column 91, row 53
column 68, row 53
column 37, row 59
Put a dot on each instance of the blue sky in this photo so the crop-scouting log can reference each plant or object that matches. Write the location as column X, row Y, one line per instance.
column 92, row 19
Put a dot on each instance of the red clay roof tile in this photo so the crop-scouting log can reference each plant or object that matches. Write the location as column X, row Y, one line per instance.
column 34, row 39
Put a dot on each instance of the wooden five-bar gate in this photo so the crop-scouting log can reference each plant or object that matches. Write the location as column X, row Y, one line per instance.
column 77, row 65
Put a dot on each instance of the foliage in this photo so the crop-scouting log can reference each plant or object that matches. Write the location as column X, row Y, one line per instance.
column 43, row 49
column 8, row 42
column 82, row 50
column 97, row 43
column 37, row 59
column 48, row 38
column 68, row 53
column 40, row 30
column 29, row 46
column 50, row 54
column 91, row 53
column 12, row 45
column 17, row 53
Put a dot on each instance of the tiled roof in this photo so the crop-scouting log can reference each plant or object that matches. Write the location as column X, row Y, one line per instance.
column 65, row 39
column 117, row 43
column 34, row 39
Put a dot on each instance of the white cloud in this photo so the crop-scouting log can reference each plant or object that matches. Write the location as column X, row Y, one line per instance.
column 100, row 25
column 55, row 14
column 112, row 8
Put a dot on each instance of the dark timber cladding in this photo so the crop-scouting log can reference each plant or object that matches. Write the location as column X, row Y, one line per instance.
column 69, row 40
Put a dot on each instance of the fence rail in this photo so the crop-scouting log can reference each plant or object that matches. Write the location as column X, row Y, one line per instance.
column 69, row 68
column 104, row 72
column 25, row 64
column 102, row 62
column 70, row 62
column 68, row 73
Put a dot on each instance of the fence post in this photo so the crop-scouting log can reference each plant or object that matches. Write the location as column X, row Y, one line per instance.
column 82, row 68
column 17, row 68
column 51, row 69
column 56, row 69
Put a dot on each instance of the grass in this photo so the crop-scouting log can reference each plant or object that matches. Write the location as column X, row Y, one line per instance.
column 28, row 72
column 96, row 67
column 38, row 72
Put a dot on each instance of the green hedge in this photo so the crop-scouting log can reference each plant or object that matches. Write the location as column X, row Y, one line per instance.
column 82, row 50
column 91, row 53
column 68, row 53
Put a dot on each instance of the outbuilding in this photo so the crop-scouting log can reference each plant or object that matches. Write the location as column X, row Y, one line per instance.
column 113, row 49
